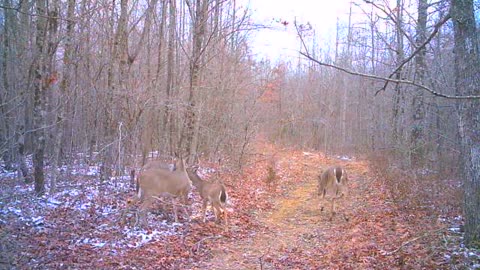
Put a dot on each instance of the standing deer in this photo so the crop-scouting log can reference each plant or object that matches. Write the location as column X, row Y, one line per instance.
column 158, row 182
column 215, row 193
column 332, row 183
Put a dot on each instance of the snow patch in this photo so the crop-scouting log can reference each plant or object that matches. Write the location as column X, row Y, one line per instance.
column 93, row 242
column 345, row 158
column 454, row 229
column 16, row 211
column 37, row 221
column 93, row 171
column 53, row 202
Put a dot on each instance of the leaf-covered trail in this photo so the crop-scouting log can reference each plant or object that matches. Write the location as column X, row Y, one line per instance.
column 295, row 234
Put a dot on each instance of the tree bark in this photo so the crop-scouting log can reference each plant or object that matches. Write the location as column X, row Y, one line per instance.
column 168, row 119
column 199, row 31
column 39, row 88
column 399, row 95
column 64, row 89
column 417, row 136
column 6, row 151
column 467, row 81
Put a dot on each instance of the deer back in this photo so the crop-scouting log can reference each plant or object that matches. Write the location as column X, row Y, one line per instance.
column 158, row 164
column 159, row 182
column 332, row 181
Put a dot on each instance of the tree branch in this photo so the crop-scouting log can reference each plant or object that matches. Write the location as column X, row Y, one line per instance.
column 17, row 9
column 389, row 79
column 386, row 79
column 436, row 28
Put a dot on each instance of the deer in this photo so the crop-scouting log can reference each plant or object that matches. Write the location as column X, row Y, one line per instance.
column 159, row 164
column 212, row 192
column 158, row 182
column 332, row 183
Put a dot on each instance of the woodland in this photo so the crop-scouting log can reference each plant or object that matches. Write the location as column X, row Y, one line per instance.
column 91, row 91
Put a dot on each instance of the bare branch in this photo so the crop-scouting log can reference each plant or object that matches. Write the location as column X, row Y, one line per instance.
column 436, row 28
column 17, row 9
column 387, row 79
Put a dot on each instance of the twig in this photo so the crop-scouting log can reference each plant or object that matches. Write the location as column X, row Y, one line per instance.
column 204, row 239
column 261, row 257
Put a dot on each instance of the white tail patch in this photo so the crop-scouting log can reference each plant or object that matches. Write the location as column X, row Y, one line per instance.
column 332, row 185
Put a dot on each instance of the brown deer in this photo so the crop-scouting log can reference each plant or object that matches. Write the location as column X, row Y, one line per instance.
column 157, row 182
column 332, row 183
column 159, row 164
column 212, row 192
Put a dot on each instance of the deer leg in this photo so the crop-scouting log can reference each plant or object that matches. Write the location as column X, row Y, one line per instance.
column 225, row 216
column 322, row 199
column 204, row 208
column 217, row 211
column 333, row 209
column 175, row 211
column 184, row 206
column 333, row 206
column 142, row 212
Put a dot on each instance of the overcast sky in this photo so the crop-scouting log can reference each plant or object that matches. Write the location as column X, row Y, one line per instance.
column 281, row 41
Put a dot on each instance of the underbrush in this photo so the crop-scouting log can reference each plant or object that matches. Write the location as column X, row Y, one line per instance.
column 80, row 226
column 432, row 203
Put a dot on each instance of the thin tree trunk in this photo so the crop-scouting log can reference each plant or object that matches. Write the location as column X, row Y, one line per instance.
column 39, row 99
column 417, row 136
column 399, row 95
column 199, row 28
column 5, row 129
column 64, row 89
column 168, row 119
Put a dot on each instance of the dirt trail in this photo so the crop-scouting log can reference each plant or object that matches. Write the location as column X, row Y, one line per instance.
column 295, row 227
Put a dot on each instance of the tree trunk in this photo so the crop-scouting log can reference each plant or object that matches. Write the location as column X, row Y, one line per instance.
column 39, row 88
column 417, row 136
column 467, row 81
column 199, row 28
column 64, row 89
column 168, row 119
column 6, row 151
column 399, row 95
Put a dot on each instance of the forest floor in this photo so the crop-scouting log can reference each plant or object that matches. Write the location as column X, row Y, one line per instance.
column 387, row 221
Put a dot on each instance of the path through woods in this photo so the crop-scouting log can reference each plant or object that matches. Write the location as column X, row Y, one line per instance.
column 294, row 234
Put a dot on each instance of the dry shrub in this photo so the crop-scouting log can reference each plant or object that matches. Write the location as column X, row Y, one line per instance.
column 271, row 178
column 419, row 189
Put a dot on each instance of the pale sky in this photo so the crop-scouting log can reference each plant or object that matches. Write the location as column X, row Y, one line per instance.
column 281, row 42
